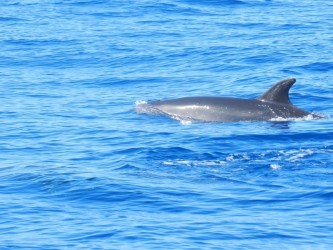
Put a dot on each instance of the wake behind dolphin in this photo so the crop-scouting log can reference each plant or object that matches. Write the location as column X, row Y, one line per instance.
column 274, row 104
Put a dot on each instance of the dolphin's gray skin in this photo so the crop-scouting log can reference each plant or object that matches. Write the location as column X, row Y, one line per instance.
column 273, row 104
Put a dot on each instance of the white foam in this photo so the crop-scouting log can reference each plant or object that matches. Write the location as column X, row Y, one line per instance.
column 144, row 107
column 140, row 102
column 182, row 120
column 230, row 158
column 141, row 106
column 185, row 122
column 300, row 155
column 305, row 118
column 275, row 166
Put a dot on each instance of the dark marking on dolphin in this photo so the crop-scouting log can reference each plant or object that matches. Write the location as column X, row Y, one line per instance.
column 274, row 104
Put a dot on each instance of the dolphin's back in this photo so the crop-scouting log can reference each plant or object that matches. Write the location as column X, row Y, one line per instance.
column 274, row 103
column 214, row 109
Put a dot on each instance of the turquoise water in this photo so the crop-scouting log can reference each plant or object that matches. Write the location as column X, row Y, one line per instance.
column 82, row 169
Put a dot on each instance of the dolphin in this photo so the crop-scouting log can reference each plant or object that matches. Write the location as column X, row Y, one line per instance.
column 273, row 105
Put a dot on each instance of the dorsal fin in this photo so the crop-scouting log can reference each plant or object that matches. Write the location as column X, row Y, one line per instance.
column 279, row 92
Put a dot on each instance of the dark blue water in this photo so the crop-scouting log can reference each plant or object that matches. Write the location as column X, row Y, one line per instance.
column 81, row 169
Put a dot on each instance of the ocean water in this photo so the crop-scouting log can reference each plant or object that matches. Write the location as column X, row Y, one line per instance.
column 82, row 169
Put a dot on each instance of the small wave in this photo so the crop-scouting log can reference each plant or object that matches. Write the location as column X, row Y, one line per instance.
column 10, row 19
column 318, row 66
column 196, row 163
column 216, row 2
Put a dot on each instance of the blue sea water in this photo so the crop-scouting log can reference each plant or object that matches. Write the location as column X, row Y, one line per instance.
column 82, row 169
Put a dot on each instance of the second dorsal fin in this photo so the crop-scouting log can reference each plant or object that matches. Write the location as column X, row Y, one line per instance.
column 279, row 92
